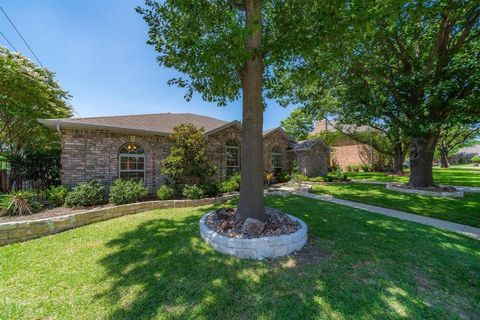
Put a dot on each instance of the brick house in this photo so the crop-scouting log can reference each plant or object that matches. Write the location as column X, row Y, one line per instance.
column 345, row 150
column 106, row 148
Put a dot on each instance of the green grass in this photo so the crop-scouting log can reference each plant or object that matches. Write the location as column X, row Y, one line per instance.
column 457, row 176
column 464, row 210
column 154, row 265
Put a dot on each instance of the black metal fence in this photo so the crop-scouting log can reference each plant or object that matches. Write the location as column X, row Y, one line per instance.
column 30, row 173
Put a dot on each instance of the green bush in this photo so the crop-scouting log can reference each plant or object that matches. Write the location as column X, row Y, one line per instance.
column 165, row 192
column 85, row 195
column 476, row 159
column 231, row 184
column 353, row 168
column 316, row 179
column 18, row 203
column 126, row 191
column 56, row 195
column 366, row 167
column 298, row 177
column 283, row 176
column 193, row 192
column 211, row 189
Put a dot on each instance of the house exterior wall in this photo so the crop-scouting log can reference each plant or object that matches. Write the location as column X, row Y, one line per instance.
column 93, row 154
column 277, row 139
column 346, row 152
column 314, row 162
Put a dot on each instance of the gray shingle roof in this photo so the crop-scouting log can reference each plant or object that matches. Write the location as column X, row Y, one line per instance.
column 155, row 123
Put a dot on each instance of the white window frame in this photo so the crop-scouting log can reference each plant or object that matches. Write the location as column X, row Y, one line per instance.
column 280, row 155
column 131, row 155
column 236, row 168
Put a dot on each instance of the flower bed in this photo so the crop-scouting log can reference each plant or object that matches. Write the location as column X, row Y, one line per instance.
column 435, row 192
column 16, row 231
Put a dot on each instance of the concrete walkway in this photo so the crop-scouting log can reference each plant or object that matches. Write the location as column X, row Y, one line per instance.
column 459, row 188
column 442, row 224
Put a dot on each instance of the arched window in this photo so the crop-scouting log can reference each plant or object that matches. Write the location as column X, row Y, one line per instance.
column 131, row 158
column 276, row 160
column 232, row 151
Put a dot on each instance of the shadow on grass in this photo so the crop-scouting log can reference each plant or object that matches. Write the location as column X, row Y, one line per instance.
column 355, row 266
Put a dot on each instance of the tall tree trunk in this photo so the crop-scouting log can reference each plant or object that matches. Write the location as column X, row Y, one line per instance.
column 251, row 185
column 398, row 158
column 421, row 160
column 444, row 158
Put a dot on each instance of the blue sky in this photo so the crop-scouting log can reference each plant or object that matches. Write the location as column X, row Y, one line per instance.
column 97, row 49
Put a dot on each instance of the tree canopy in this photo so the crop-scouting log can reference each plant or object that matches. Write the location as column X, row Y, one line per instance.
column 27, row 93
column 409, row 65
column 298, row 124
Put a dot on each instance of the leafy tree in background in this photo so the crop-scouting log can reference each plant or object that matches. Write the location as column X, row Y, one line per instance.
column 228, row 49
column 409, row 65
column 454, row 138
column 27, row 93
column 298, row 124
column 187, row 162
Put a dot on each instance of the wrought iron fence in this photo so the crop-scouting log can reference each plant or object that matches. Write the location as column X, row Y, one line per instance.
column 30, row 173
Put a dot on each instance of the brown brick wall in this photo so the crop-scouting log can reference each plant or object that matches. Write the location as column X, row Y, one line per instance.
column 93, row 154
column 347, row 152
column 277, row 139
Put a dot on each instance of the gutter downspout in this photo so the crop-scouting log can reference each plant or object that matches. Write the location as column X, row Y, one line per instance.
column 59, row 130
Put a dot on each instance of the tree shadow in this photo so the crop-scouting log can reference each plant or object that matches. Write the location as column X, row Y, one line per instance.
column 352, row 268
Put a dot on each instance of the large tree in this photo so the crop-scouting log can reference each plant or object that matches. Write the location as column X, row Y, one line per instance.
column 453, row 138
column 227, row 49
column 27, row 93
column 414, row 65
column 298, row 124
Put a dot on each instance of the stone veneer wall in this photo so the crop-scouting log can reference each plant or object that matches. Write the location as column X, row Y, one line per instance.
column 17, row 231
column 313, row 163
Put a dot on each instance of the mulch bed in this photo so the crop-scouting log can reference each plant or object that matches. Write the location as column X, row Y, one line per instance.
column 48, row 213
column 433, row 189
column 224, row 221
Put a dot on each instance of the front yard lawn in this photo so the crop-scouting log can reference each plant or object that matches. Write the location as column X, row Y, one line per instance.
column 154, row 265
column 464, row 210
column 452, row 176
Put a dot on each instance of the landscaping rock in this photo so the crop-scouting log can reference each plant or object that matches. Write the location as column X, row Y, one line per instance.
column 253, row 227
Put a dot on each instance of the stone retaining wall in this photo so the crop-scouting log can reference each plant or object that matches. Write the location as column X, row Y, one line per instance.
column 17, row 231
column 256, row 248
column 454, row 194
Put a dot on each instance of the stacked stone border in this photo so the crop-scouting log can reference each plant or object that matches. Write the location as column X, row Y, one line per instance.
column 17, row 231
column 455, row 194
column 256, row 248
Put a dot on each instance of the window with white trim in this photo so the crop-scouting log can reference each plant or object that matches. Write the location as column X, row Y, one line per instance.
column 276, row 160
column 232, row 151
column 131, row 159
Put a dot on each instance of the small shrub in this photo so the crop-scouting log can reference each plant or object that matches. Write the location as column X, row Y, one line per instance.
column 165, row 192
column 85, row 195
column 353, row 168
column 211, row 189
column 193, row 192
column 56, row 195
column 476, row 159
column 284, row 176
column 316, row 179
column 18, row 203
column 231, row 184
column 366, row 167
column 127, row 191
column 298, row 177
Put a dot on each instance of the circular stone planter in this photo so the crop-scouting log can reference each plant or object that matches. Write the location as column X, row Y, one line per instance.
column 255, row 248
column 454, row 194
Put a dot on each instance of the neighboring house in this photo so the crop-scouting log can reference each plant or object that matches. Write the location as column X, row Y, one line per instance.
column 106, row 148
column 465, row 155
column 346, row 151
